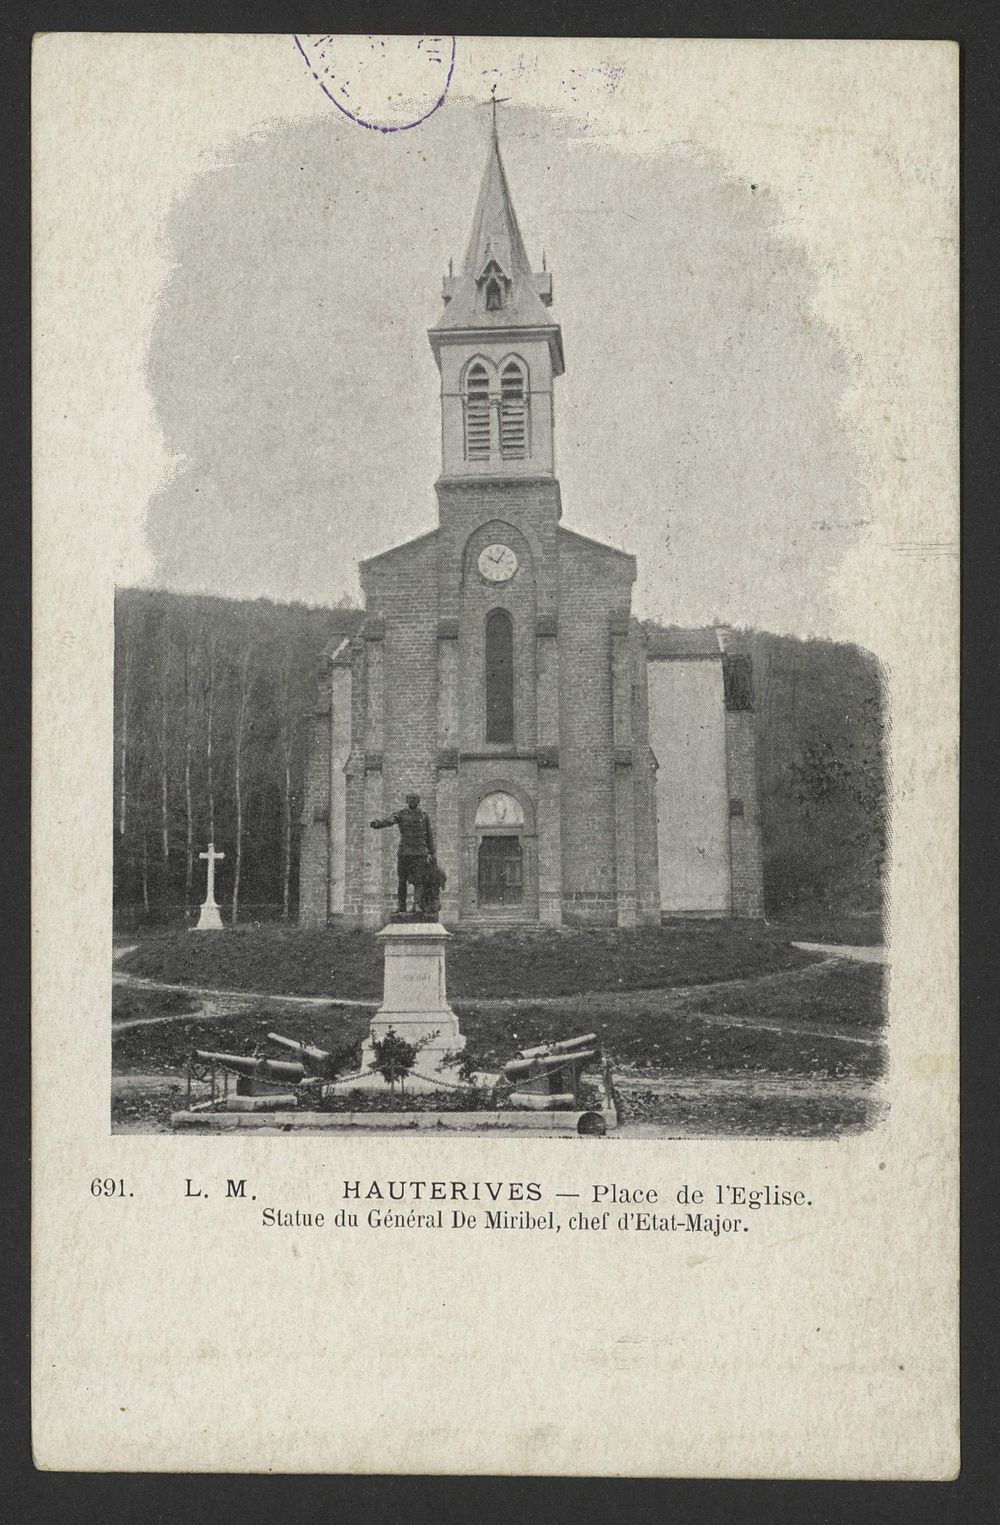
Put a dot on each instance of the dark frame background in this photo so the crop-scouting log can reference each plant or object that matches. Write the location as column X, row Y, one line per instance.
column 54, row 1497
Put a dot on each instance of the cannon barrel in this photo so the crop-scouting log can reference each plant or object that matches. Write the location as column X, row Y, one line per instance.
column 307, row 1050
column 544, row 1064
column 286, row 1070
column 584, row 1040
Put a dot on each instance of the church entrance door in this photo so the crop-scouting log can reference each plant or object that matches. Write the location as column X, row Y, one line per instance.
column 500, row 871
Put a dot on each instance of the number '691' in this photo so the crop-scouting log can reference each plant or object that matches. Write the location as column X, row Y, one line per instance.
column 108, row 1186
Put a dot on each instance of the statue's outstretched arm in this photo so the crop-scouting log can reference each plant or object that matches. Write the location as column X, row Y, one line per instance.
column 378, row 825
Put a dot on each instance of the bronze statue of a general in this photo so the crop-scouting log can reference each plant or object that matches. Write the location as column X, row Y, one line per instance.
column 415, row 860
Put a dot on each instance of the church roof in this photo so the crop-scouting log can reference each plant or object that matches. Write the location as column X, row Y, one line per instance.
column 596, row 545
column 522, row 309
column 495, row 234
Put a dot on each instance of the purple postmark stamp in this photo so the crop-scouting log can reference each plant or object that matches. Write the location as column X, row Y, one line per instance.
column 387, row 84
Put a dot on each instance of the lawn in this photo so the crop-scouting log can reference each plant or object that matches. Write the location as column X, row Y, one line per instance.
column 675, row 1034
column 519, row 961
column 648, row 1032
column 819, row 924
column 845, row 994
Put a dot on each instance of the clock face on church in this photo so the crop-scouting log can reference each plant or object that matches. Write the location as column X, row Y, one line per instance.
column 497, row 563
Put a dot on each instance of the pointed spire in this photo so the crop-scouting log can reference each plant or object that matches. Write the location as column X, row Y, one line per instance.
column 495, row 233
column 510, row 295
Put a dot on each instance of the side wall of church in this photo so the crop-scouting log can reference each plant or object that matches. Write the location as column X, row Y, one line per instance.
column 688, row 736
column 594, row 586
column 644, row 768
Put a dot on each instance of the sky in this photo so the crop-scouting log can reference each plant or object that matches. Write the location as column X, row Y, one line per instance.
column 732, row 230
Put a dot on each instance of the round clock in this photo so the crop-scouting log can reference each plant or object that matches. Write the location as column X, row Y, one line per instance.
column 497, row 563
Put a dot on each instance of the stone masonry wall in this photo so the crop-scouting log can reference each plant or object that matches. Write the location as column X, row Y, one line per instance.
column 594, row 584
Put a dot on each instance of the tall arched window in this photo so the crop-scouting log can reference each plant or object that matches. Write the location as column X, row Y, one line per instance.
column 513, row 413
column 499, row 676
column 477, row 413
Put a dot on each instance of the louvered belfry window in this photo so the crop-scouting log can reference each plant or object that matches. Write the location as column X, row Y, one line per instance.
column 477, row 414
column 513, row 419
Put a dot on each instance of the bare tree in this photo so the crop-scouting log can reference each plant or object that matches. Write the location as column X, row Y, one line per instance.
column 242, row 705
column 125, row 663
column 189, row 701
column 207, row 675
column 287, row 718
column 164, row 696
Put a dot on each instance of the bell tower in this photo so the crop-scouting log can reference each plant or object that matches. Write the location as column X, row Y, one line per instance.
column 497, row 347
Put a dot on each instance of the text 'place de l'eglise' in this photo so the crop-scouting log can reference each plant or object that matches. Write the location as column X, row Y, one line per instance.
column 577, row 766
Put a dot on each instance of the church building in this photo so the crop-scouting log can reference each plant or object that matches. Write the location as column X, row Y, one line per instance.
column 577, row 766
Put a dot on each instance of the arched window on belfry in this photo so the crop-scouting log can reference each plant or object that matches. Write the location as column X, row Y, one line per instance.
column 513, row 412
column 494, row 296
column 499, row 672
column 477, row 413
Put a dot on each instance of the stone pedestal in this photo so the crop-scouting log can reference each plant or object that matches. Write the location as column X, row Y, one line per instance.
column 414, row 1000
column 210, row 919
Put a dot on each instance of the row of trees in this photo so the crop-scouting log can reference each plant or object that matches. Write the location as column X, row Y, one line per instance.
column 212, row 701
column 822, row 771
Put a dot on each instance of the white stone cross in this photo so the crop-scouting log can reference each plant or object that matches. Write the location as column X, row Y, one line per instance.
column 212, row 857
column 210, row 920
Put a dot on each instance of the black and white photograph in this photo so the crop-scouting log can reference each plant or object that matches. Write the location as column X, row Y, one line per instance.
column 488, row 753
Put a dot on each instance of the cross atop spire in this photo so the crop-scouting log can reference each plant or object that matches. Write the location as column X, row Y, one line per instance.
column 496, row 101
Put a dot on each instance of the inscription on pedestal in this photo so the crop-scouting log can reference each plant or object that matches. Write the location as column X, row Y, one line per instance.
column 414, row 999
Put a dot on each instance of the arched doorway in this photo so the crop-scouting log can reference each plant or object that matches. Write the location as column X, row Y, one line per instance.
column 500, row 877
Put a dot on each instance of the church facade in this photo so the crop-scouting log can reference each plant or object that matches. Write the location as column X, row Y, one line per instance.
column 577, row 766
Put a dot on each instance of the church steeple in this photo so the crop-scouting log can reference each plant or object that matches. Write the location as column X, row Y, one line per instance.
column 495, row 233
column 497, row 287
column 496, row 344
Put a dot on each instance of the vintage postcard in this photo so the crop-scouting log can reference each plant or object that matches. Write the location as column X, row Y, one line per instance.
column 495, row 756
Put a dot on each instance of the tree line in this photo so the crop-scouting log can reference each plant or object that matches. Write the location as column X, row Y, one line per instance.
column 822, row 759
column 213, row 699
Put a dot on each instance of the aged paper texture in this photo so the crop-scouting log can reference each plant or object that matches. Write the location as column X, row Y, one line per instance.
column 533, row 698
